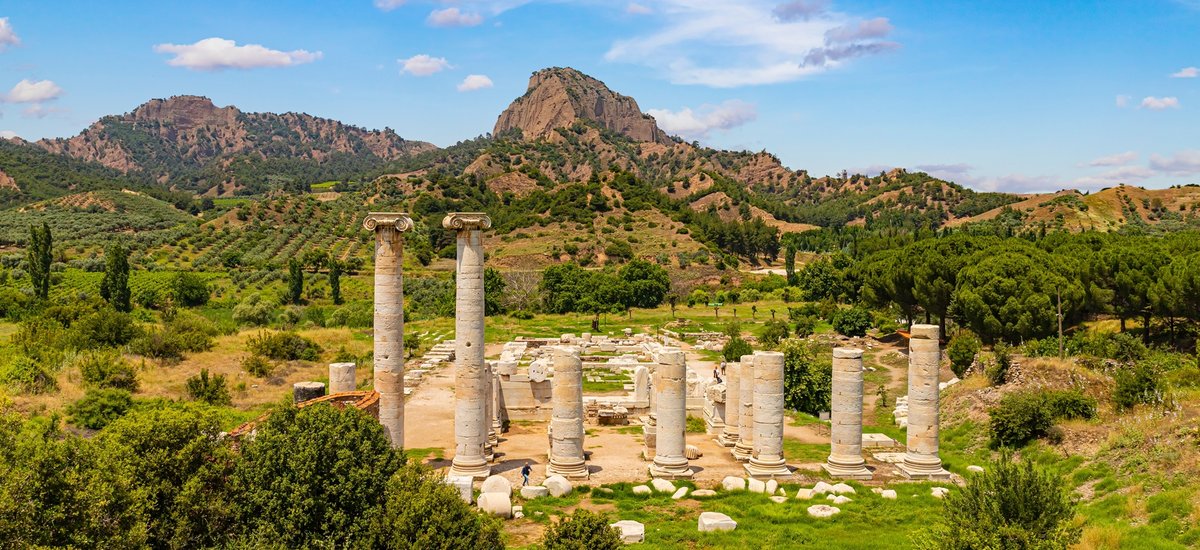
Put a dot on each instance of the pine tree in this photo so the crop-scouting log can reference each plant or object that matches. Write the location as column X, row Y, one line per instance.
column 114, row 287
column 41, row 255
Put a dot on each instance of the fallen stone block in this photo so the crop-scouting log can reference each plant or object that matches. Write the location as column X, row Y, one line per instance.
column 778, row 499
column 715, row 521
column 731, row 483
column 822, row 511
column 838, row 499
column 662, row 485
column 704, row 493
column 889, row 494
column 843, row 489
column 804, row 494
column 496, row 504
column 772, row 486
column 518, row 512
column 632, row 532
column 642, row 490
column 680, row 493
column 756, row 486
column 557, row 485
column 821, row 488
column 534, row 491
column 496, row 484
column 692, row 452
column 463, row 485
column 939, row 492
column 975, row 469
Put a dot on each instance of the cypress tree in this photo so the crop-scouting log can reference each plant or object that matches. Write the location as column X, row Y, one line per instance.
column 295, row 281
column 41, row 247
column 114, row 287
column 335, row 280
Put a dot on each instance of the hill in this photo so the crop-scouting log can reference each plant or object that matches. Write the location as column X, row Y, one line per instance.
column 1105, row 210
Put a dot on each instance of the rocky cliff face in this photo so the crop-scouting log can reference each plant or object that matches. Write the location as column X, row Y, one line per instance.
column 557, row 97
column 163, row 134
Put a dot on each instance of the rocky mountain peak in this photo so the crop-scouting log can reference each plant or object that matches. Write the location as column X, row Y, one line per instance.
column 184, row 112
column 558, row 96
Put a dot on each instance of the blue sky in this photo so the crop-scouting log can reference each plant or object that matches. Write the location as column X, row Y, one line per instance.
column 1012, row 96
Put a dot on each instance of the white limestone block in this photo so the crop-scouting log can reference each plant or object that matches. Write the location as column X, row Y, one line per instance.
column 632, row 532
column 715, row 521
column 939, row 492
column 731, row 483
column 662, row 485
column 518, row 512
column 804, row 494
column 641, row 490
column 821, row 488
column 838, row 499
column 772, row 486
column 680, row 493
column 889, row 494
column 778, row 499
column 822, row 511
column 975, row 469
column 463, row 485
column 496, row 484
column 704, row 493
column 843, row 489
column 496, row 504
column 557, row 485
column 534, row 491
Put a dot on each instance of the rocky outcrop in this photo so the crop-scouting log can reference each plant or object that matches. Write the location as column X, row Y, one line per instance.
column 557, row 97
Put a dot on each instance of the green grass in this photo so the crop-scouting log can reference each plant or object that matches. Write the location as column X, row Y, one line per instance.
column 795, row 451
column 420, row 454
column 695, row 425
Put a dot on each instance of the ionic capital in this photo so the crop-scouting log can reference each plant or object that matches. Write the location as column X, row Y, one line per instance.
column 397, row 221
column 466, row 221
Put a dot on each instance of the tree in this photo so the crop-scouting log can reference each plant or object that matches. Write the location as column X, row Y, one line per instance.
column 40, row 256
column 114, row 286
column 209, row 389
column 189, row 289
column 1009, row 505
column 648, row 283
column 493, row 291
column 582, row 530
column 807, row 378
column 1009, row 292
column 295, row 282
column 735, row 348
column 1129, row 272
column 962, row 350
column 422, row 512
column 311, row 477
column 335, row 279
column 852, row 322
column 774, row 332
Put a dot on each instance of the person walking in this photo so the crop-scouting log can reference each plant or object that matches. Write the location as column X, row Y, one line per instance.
column 525, row 473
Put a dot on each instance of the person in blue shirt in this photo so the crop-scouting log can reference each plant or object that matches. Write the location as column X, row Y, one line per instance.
column 525, row 473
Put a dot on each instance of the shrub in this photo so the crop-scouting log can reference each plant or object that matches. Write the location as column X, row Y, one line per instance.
column 962, row 350
column 105, row 328
column 998, row 371
column 1137, row 384
column 189, row 289
column 25, row 375
column 807, row 379
column 209, row 389
column 284, row 346
column 160, row 344
column 1024, row 416
column 1120, row 346
column 99, row 407
column 194, row 332
column 254, row 310
column 774, row 332
column 583, row 529
column 107, row 370
column 1070, row 404
column 695, row 425
column 806, row 325
column 735, row 348
column 421, row 512
column 257, row 365
column 1009, row 505
column 852, row 322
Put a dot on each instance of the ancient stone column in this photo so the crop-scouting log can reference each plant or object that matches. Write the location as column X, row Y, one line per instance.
column 924, row 358
column 497, row 407
column 641, row 387
column 489, row 447
column 744, row 446
column 767, row 459
column 389, row 318
column 341, row 377
column 670, row 462
column 733, row 404
column 566, row 421
column 305, row 391
column 845, row 417
column 471, row 423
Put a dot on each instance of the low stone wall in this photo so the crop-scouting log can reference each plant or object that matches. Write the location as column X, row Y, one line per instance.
column 367, row 401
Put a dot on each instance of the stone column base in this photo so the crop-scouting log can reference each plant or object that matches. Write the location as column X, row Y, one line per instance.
column 567, row 468
column 741, row 453
column 910, row 472
column 726, row 439
column 767, row 470
column 471, row 470
column 670, row 472
column 842, row 472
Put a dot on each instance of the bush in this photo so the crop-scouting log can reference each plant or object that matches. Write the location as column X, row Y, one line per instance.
column 735, row 348
column 284, row 346
column 257, row 365
column 107, row 370
column 852, row 322
column 1137, row 384
column 1120, row 346
column 998, row 371
column 806, row 325
column 583, row 529
column 160, row 344
column 99, row 407
column 1024, row 416
column 774, row 332
column 25, row 375
column 1009, row 505
column 422, row 511
column 189, row 289
column 254, row 310
column 105, row 328
column 194, row 332
column 962, row 350
column 807, row 378
column 209, row 389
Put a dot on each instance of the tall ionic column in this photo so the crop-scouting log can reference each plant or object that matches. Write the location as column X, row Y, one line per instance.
column 845, row 418
column 490, row 442
column 566, row 422
column 733, row 404
column 670, row 462
column 497, row 423
column 389, row 318
column 924, row 358
column 767, row 459
column 744, row 446
column 471, row 423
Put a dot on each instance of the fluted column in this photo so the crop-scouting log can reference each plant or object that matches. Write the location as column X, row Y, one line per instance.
column 566, row 422
column 845, row 418
column 744, row 446
column 490, row 442
column 471, row 423
column 670, row 462
column 921, row 461
column 733, row 404
column 389, row 318
column 767, row 458
column 497, row 423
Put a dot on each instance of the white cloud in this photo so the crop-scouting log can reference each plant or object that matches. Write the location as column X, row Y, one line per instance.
column 7, row 134
column 8, row 37
column 423, row 65
column 699, row 124
column 28, row 91
column 213, row 54
column 37, row 110
column 1182, row 163
column 453, row 17
column 637, row 9
column 1019, row 183
column 1160, row 103
column 1118, row 175
column 959, row 173
column 1123, row 101
column 474, row 82
column 728, row 44
column 388, row 5
column 1186, row 72
column 1118, row 159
